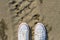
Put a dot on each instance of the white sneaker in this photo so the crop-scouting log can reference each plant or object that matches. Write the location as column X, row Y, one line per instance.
column 23, row 32
column 39, row 32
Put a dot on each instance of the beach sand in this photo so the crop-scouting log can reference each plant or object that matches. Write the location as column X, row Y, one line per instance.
column 12, row 13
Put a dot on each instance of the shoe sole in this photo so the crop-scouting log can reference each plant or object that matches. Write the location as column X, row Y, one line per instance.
column 23, row 32
column 39, row 32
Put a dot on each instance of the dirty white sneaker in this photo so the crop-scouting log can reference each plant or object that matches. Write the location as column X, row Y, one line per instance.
column 23, row 32
column 39, row 32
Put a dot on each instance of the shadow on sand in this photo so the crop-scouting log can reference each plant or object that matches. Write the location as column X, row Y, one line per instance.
column 46, row 34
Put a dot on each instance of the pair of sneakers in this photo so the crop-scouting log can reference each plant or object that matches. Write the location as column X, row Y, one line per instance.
column 39, row 32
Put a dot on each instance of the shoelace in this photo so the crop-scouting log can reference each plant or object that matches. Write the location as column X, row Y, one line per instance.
column 40, row 35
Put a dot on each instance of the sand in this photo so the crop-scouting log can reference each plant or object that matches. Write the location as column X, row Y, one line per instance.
column 12, row 13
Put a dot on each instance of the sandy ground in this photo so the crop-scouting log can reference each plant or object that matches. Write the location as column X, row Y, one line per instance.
column 31, row 12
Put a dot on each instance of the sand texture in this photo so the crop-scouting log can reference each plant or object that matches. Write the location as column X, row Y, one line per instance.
column 14, row 12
